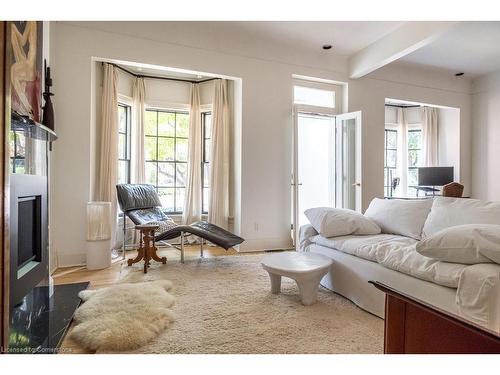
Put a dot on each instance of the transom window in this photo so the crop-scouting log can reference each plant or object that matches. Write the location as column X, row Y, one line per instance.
column 166, row 152
column 390, row 160
column 206, row 120
column 123, row 144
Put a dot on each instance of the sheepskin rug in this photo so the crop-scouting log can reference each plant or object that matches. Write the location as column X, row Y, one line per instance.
column 224, row 305
column 124, row 316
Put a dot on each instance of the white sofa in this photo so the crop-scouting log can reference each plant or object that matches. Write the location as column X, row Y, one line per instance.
column 471, row 291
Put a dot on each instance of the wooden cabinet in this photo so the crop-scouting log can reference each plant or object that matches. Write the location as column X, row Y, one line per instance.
column 415, row 327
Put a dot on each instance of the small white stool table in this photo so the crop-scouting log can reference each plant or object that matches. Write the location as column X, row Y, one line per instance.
column 307, row 269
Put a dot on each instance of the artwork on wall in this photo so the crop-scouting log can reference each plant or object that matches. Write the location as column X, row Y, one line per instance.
column 26, row 69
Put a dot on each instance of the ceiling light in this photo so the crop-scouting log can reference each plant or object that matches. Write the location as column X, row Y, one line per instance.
column 327, row 46
column 459, row 74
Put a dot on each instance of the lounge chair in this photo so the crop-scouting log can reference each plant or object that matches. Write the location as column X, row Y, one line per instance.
column 142, row 205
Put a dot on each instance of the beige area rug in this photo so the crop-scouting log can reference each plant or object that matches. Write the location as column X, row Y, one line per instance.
column 224, row 305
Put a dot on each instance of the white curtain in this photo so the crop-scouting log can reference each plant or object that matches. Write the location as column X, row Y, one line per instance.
column 192, row 199
column 107, row 164
column 218, row 207
column 402, row 153
column 430, row 137
column 138, row 112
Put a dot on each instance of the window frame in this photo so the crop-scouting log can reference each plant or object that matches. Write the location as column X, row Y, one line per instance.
column 175, row 161
column 386, row 168
column 128, row 140
column 413, row 129
column 204, row 160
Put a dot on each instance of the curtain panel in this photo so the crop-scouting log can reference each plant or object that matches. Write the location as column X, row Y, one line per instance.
column 107, row 161
column 192, row 199
column 430, row 137
column 138, row 175
column 218, row 207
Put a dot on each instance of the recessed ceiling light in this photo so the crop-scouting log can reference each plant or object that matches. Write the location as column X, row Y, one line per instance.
column 459, row 74
column 327, row 46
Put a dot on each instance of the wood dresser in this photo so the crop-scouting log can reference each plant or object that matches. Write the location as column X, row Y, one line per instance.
column 413, row 326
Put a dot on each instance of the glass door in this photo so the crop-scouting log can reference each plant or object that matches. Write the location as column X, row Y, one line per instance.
column 327, row 164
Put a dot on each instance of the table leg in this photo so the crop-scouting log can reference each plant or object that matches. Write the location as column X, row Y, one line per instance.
column 275, row 283
column 308, row 289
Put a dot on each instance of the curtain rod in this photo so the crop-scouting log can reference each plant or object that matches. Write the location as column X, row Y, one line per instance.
column 163, row 78
column 403, row 106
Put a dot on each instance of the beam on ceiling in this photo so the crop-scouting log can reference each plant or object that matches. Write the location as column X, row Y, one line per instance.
column 406, row 39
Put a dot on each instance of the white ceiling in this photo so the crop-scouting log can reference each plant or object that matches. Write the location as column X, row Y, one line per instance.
column 469, row 47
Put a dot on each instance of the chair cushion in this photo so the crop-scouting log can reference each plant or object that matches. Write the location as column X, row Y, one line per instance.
column 137, row 196
column 148, row 215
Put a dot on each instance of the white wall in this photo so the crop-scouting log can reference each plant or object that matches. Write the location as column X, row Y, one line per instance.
column 266, row 125
column 449, row 140
column 486, row 137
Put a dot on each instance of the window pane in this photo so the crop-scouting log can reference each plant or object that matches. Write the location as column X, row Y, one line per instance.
column 150, row 122
column 122, row 119
column 151, row 173
column 413, row 158
column 205, row 199
column 167, row 199
column 208, row 125
column 122, row 146
column 166, row 174
column 166, row 149
column 317, row 97
column 412, row 177
column 392, row 139
column 181, row 150
column 182, row 125
column 166, row 124
column 179, row 199
column 391, row 158
column 20, row 167
column 123, row 172
column 208, row 148
column 386, row 177
column 206, row 174
column 181, row 174
column 150, row 148
column 414, row 139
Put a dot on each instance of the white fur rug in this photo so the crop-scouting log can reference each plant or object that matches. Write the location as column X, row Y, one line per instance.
column 124, row 316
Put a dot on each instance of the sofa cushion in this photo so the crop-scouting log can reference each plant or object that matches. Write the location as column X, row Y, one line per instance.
column 332, row 222
column 462, row 243
column 449, row 212
column 400, row 216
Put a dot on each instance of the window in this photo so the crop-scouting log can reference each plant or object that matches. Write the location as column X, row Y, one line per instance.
column 123, row 144
column 17, row 152
column 312, row 96
column 206, row 121
column 166, row 152
column 414, row 159
column 390, row 160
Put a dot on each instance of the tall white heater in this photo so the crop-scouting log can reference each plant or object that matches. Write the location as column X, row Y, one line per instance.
column 98, row 235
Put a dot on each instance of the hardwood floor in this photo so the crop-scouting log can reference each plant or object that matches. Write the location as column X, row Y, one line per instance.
column 109, row 276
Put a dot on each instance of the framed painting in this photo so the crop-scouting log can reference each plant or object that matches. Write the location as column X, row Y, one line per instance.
column 26, row 39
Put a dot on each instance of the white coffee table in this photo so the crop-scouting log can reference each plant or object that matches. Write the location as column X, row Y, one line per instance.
column 307, row 269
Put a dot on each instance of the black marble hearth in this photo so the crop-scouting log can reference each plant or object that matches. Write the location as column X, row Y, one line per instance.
column 38, row 324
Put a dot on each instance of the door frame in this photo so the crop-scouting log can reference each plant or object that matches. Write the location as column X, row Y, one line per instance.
column 358, row 117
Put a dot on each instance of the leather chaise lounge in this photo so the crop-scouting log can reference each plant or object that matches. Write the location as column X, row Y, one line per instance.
column 141, row 203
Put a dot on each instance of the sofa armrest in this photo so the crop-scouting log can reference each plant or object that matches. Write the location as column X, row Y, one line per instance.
column 305, row 233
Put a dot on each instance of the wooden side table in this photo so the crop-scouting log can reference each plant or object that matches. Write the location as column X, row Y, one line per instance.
column 147, row 249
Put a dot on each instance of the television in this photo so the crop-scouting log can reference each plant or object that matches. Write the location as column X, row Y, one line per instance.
column 435, row 176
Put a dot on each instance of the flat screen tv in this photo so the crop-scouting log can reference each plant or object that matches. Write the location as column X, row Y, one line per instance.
column 435, row 176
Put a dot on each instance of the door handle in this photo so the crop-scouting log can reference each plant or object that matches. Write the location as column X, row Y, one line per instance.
column 356, row 184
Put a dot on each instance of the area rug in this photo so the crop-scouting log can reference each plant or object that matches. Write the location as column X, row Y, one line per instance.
column 224, row 305
column 124, row 316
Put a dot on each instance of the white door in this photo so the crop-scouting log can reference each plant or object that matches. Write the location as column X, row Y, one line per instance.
column 326, row 164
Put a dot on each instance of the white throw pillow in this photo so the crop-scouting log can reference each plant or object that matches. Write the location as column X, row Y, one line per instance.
column 466, row 244
column 448, row 212
column 333, row 222
column 405, row 217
